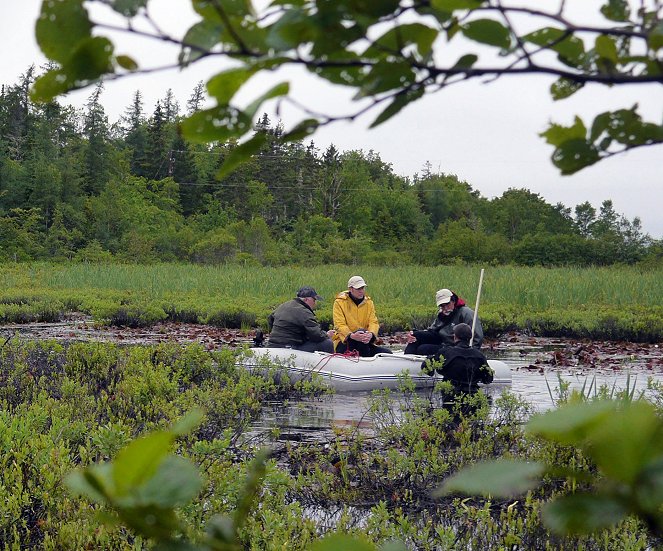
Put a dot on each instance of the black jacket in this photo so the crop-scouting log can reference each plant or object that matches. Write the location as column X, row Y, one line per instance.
column 464, row 367
column 294, row 323
column 444, row 326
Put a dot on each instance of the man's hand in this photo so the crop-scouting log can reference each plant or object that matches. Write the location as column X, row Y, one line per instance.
column 410, row 338
column 362, row 335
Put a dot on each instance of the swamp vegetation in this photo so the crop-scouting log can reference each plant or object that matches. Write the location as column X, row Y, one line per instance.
column 601, row 303
column 65, row 407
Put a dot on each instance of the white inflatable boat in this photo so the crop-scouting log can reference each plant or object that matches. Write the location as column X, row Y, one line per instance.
column 345, row 373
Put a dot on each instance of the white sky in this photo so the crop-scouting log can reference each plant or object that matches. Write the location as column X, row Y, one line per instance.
column 485, row 133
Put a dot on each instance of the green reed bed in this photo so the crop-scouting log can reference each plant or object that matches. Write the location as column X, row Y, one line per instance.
column 615, row 302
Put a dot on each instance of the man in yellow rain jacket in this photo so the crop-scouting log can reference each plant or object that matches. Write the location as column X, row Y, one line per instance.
column 355, row 321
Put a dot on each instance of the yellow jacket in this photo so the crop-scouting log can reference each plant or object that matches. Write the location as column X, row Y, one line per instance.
column 348, row 317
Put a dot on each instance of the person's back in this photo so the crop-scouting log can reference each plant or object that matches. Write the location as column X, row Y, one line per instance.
column 464, row 366
column 293, row 324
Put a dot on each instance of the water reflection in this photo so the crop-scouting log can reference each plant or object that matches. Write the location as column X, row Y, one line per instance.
column 300, row 420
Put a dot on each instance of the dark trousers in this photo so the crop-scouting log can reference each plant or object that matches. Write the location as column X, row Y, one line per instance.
column 365, row 350
column 422, row 349
column 427, row 344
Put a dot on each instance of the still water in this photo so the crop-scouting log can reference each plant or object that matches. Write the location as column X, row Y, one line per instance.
column 539, row 386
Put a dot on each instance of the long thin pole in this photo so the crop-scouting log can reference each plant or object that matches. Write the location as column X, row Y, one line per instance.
column 476, row 308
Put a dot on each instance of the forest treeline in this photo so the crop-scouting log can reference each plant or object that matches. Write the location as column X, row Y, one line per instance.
column 75, row 186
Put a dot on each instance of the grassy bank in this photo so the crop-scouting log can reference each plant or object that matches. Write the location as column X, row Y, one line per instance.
column 613, row 303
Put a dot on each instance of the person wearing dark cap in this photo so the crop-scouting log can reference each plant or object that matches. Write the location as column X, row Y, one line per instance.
column 451, row 311
column 355, row 321
column 464, row 367
column 294, row 325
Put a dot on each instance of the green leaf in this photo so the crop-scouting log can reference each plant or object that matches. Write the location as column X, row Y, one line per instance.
column 90, row 59
column 301, row 130
column 564, row 87
column 400, row 101
column 628, row 128
column 570, row 48
column 126, row 62
column 655, row 39
column 622, row 452
column 138, row 461
column 487, row 31
column 616, row 10
column 188, row 423
column 220, row 530
column 606, row 48
column 95, row 482
column 347, row 75
column 295, row 27
column 151, row 522
column 557, row 134
column 60, row 27
column 199, row 40
column 649, row 487
column 341, row 542
column 402, row 36
column 225, row 85
column 49, row 85
column 256, row 473
column 600, row 125
column 175, row 483
column 503, row 478
column 218, row 123
column 571, row 423
column 128, row 8
column 231, row 9
column 451, row 5
column 466, row 61
column 574, row 155
column 240, row 154
column 369, row 9
column 385, row 76
column 582, row 513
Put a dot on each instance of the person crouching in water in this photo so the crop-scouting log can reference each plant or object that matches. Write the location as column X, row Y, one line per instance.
column 464, row 367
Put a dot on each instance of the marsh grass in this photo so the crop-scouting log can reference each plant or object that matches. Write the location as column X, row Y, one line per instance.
column 615, row 302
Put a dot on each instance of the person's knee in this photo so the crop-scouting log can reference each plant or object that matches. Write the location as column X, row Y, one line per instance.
column 327, row 346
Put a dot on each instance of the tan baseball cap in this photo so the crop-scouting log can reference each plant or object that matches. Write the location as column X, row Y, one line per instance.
column 356, row 282
column 443, row 296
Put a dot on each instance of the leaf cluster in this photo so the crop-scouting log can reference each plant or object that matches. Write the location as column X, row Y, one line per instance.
column 621, row 438
column 388, row 51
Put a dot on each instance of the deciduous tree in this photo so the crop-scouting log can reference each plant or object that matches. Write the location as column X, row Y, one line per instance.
column 390, row 52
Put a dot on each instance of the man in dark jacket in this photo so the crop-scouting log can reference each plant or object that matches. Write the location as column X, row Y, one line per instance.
column 451, row 312
column 294, row 325
column 464, row 366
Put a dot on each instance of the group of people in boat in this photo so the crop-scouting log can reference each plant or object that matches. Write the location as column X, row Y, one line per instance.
column 449, row 342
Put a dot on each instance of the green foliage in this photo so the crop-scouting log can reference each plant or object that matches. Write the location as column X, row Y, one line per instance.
column 109, row 414
column 401, row 61
column 628, row 464
column 613, row 303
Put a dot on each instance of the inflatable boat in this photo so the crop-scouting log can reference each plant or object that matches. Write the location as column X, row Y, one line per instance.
column 347, row 373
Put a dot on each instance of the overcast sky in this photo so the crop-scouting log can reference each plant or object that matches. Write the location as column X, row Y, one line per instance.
column 485, row 133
